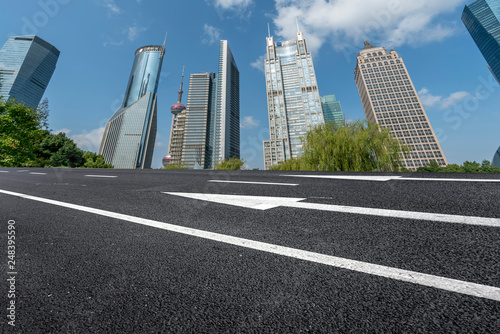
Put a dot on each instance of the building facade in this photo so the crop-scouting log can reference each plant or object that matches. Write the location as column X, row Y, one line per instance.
column 26, row 66
column 332, row 110
column 293, row 99
column 389, row 99
column 226, row 141
column 482, row 19
column 496, row 158
column 129, row 137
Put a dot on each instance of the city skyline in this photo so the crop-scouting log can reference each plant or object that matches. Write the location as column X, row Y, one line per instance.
column 457, row 92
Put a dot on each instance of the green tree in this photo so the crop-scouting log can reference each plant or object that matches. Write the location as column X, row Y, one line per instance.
column 355, row 146
column 471, row 167
column 20, row 129
column 231, row 164
column 92, row 160
column 452, row 168
column 433, row 166
column 56, row 150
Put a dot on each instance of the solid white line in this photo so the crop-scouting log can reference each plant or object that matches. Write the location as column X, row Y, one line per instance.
column 22, row 171
column 4, row 171
column 110, row 176
column 388, row 178
column 33, row 173
column 443, row 283
column 263, row 183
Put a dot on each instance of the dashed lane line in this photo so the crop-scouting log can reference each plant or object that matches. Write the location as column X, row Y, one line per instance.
column 259, row 183
column 103, row 176
column 33, row 173
column 383, row 178
column 443, row 283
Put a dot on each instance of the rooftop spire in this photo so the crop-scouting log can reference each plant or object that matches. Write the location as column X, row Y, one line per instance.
column 179, row 107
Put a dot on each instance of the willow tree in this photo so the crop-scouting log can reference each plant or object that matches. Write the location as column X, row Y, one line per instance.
column 355, row 146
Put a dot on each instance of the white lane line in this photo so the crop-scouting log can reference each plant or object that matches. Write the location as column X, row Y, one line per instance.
column 266, row 203
column 23, row 171
column 262, row 183
column 109, row 176
column 33, row 173
column 443, row 283
column 387, row 178
column 4, row 171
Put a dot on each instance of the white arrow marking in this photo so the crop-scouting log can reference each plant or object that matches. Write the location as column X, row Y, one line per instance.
column 443, row 283
column 265, row 203
column 388, row 178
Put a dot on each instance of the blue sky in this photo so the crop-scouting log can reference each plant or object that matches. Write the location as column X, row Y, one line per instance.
column 98, row 38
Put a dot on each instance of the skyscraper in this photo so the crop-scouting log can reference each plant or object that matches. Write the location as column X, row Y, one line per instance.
column 129, row 137
column 226, row 141
column 482, row 20
column 496, row 158
column 26, row 66
column 293, row 100
column 332, row 110
column 390, row 99
column 176, row 140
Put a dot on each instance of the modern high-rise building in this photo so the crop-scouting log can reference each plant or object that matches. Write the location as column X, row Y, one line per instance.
column 26, row 66
column 293, row 99
column 208, row 131
column 226, row 141
column 389, row 98
column 496, row 158
column 482, row 19
column 332, row 110
column 129, row 137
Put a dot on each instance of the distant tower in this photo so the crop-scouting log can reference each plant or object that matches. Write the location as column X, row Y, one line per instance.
column 389, row 98
column 332, row 110
column 496, row 158
column 482, row 19
column 293, row 99
column 26, row 66
column 129, row 137
column 174, row 155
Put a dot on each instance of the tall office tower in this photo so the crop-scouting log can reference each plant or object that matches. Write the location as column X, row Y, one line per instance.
column 332, row 110
column 226, row 141
column 496, row 158
column 390, row 99
column 26, row 66
column 129, row 137
column 199, row 128
column 482, row 20
column 293, row 100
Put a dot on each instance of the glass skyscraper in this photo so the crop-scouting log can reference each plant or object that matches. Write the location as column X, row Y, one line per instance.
column 129, row 137
column 389, row 98
column 226, row 141
column 293, row 100
column 496, row 158
column 26, row 66
column 482, row 19
column 332, row 110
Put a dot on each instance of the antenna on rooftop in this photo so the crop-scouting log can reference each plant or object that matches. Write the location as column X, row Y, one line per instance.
column 269, row 30
column 297, row 21
column 165, row 41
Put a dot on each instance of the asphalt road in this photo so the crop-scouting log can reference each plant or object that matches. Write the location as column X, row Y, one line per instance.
column 118, row 251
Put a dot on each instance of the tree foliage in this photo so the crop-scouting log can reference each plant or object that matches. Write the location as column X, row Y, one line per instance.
column 355, row 146
column 466, row 167
column 231, row 164
column 20, row 129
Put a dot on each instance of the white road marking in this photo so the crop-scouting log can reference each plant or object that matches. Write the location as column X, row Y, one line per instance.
column 22, row 171
column 265, row 203
column 33, row 173
column 443, row 283
column 388, row 178
column 109, row 176
column 262, row 183
column 4, row 171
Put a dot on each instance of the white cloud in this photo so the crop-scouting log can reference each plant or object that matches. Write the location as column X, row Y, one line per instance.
column 111, row 6
column 259, row 63
column 89, row 141
column 347, row 23
column 248, row 122
column 134, row 32
column 232, row 4
column 429, row 100
column 212, row 34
